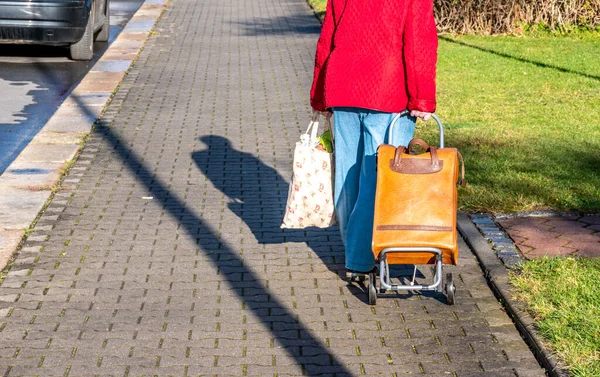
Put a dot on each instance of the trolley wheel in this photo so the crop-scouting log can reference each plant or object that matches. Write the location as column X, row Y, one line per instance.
column 450, row 289
column 372, row 287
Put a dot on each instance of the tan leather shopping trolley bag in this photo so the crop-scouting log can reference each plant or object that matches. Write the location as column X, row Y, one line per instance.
column 415, row 212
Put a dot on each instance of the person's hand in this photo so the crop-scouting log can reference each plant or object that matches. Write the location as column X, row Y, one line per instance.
column 327, row 114
column 421, row 114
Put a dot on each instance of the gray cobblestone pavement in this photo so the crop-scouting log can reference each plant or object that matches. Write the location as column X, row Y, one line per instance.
column 162, row 253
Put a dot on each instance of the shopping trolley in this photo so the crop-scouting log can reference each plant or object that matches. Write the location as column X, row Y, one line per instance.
column 415, row 214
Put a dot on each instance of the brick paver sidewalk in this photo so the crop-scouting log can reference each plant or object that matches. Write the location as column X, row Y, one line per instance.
column 162, row 254
column 555, row 235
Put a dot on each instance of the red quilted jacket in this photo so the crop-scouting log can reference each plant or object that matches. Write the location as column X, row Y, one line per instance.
column 376, row 54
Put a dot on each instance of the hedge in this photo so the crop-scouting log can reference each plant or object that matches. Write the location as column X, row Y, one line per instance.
column 515, row 16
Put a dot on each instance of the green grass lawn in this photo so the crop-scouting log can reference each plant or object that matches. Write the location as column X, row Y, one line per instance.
column 524, row 112
column 564, row 294
column 319, row 6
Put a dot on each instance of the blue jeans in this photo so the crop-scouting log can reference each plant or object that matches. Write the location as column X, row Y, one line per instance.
column 357, row 135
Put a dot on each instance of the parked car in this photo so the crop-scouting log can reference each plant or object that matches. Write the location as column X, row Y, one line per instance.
column 73, row 23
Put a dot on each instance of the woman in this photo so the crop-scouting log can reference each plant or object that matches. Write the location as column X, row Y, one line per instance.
column 374, row 59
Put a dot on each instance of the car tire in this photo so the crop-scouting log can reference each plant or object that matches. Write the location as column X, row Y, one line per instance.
column 84, row 49
column 104, row 32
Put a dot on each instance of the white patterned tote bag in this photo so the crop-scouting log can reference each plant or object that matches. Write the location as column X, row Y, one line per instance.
column 310, row 198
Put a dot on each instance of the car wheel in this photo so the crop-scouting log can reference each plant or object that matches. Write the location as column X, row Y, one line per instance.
column 84, row 49
column 104, row 33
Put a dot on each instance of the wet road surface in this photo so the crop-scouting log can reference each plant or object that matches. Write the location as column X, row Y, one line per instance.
column 34, row 81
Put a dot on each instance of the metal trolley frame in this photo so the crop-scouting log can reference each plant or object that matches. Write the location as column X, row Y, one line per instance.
column 385, row 280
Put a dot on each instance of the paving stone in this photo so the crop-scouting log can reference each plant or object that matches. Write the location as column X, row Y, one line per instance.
column 67, row 123
column 139, row 26
column 95, row 85
column 491, row 231
column 111, row 65
column 48, row 152
column 9, row 240
column 595, row 220
column 511, row 261
column 588, row 249
column 577, row 238
column 18, row 207
column 549, row 249
column 524, row 249
column 31, row 175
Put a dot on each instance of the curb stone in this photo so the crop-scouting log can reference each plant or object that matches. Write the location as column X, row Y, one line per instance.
column 36, row 172
column 503, row 216
column 501, row 242
column 497, row 277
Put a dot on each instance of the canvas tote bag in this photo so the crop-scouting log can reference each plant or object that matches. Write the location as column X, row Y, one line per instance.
column 310, row 197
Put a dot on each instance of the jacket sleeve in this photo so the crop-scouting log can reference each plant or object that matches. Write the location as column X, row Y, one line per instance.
column 317, row 100
column 420, row 55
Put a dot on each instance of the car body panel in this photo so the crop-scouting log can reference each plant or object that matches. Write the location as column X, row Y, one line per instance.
column 50, row 22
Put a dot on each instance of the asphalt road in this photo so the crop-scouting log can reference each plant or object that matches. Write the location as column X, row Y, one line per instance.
column 34, row 81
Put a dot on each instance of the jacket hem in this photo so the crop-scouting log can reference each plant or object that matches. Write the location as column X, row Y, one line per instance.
column 383, row 109
column 421, row 105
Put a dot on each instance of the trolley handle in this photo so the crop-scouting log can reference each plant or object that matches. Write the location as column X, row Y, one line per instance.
column 406, row 112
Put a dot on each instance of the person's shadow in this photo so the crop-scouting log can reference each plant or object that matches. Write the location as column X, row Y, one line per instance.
column 258, row 194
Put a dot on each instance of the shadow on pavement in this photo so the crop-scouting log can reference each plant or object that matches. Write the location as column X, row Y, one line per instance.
column 522, row 60
column 45, row 81
column 248, row 286
column 298, row 24
column 257, row 195
column 254, row 191
column 34, row 94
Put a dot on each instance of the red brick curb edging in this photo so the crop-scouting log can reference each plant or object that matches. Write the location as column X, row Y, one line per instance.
column 554, row 234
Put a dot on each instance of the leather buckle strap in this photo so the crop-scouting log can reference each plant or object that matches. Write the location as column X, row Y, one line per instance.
column 402, row 149
column 417, row 166
column 398, row 155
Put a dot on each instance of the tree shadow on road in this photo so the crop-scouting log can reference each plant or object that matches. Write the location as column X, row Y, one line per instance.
column 303, row 24
column 520, row 59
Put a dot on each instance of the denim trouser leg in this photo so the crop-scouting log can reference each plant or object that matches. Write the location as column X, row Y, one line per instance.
column 357, row 134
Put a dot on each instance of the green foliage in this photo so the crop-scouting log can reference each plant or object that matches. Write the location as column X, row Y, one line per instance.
column 509, row 16
column 540, row 17
column 542, row 29
column 326, row 141
column 563, row 296
column 319, row 7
